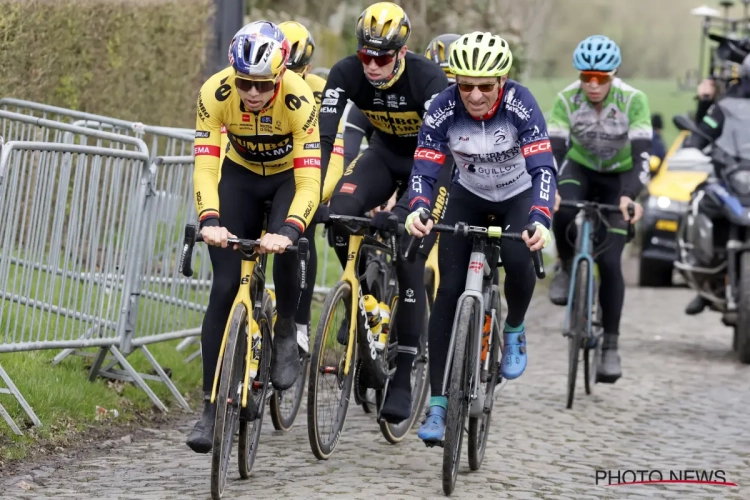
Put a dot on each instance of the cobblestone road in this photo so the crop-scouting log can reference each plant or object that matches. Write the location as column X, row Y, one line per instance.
column 684, row 404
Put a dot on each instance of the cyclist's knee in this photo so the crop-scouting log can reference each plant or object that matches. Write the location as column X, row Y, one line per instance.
column 610, row 262
column 346, row 204
column 224, row 290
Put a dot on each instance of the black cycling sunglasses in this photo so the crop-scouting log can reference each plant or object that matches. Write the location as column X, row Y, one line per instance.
column 261, row 85
column 469, row 87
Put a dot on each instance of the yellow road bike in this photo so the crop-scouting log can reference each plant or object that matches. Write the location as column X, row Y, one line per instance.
column 242, row 380
column 346, row 355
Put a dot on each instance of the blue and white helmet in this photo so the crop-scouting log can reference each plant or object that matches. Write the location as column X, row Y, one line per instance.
column 597, row 53
column 259, row 49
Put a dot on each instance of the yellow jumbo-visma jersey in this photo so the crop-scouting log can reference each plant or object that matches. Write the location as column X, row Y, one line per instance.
column 269, row 142
column 336, row 165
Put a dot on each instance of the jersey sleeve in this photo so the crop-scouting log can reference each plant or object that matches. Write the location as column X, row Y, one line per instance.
column 559, row 128
column 641, row 144
column 207, row 156
column 336, row 166
column 432, row 150
column 332, row 108
column 304, row 123
column 537, row 151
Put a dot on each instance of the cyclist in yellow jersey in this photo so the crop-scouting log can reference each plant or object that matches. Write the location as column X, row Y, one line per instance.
column 302, row 49
column 273, row 154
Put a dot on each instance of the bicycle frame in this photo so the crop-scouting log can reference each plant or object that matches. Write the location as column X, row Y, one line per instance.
column 479, row 269
column 585, row 248
column 356, row 243
column 242, row 299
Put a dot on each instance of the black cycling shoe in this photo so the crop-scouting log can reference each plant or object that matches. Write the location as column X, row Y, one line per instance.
column 397, row 405
column 560, row 286
column 609, row 369
column 343, row 334
column 201, row 438
column 696, row 306
column 285, row 363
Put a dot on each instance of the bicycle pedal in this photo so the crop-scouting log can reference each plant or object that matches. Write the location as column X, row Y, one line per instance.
column 432, row 444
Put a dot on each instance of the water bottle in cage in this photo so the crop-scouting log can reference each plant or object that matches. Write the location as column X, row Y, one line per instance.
column 374, row 320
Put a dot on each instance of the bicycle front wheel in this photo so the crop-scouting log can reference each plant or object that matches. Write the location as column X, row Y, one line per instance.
column 578, row 321
column 479, row 427
column 328, row 387
column 257, row 392
column 458, row 397
column 228, row 399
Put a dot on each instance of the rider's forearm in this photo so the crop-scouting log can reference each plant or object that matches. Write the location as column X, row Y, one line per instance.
column 559, row 149
column 636, row 178
column 543, row 188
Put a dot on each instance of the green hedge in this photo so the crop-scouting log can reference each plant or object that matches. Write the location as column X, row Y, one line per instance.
column 138, row 60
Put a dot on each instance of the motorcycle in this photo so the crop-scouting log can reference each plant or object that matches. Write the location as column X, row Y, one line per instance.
column 713, row 236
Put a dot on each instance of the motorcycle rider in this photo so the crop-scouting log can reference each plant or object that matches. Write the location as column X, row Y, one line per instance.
column 712, row 126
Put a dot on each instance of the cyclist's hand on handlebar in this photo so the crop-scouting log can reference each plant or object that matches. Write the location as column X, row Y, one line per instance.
column 624, row 202
column 273, row 243
column 539, row 239
column 414, row 225
column 216, row 236
column 558, row 199
column 385, row 208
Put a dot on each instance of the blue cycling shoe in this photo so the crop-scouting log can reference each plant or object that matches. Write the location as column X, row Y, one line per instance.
column 514, row 355
column 433, row 429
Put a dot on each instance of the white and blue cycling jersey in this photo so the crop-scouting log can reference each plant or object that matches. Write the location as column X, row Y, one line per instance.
column 498, row 156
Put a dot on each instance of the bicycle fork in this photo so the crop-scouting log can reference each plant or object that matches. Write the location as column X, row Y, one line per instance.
column 584, row 253
column 478, row 268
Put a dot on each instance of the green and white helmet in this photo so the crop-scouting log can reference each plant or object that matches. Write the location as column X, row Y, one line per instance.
column 480, row 54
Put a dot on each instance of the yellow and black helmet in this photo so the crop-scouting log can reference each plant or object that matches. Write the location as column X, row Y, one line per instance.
column 383, row 26
column 301, row 43
column 439, row 51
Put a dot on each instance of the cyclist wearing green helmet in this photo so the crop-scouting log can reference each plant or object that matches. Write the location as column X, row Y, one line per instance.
column 601, row 135
column 505, row 176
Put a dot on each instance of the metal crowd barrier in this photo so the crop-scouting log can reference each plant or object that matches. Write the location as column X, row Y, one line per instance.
column 69, row 267
column 161, row 140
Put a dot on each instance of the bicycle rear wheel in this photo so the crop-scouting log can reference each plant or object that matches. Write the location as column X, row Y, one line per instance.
column 458, row 394
column 285, row 404
column 228, row 399
column 578, row 320
column 395, row 433
column 479, row 427
column 257, row 393
column 328, row 388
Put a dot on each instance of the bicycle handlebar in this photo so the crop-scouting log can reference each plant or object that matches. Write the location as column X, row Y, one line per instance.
column 602, row 208
column 495, row 232
column 246, row 247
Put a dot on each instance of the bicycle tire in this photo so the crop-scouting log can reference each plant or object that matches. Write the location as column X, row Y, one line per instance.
column 284, row 421
column 227, row 407
column 457, row 398
column 578, row 321
column 479, row 427
column 592, row 356
column 395, row 433
column 250, row 431
column 323, row 449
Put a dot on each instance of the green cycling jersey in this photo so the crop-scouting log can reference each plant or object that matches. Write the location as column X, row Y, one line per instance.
column 601, row 141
